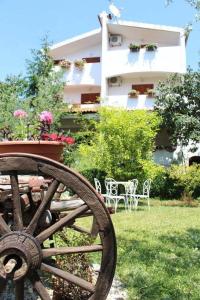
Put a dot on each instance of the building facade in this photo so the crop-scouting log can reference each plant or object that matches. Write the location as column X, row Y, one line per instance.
column 120, row 65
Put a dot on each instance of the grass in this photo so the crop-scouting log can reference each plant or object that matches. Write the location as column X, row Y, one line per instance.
column 159, row 252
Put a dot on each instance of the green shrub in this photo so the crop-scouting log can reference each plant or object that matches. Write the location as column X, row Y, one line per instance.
column 78, row 264
column 90, row 174
column 188, row 178
column 166, row 187
column 122, row 144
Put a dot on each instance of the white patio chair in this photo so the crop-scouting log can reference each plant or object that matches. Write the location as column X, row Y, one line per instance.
column 97, row 184
column 112, row 193
column 145, row 195
column 131, row 191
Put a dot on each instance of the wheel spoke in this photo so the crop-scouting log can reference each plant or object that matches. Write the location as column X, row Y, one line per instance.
column 17, row 211
column 49, row 195
column 19, row 290
column 2, row 286
column 61, row 223
column 71, row 250
column 3, row 227
column 80, row 229
column 69, row 277
column 39, row 287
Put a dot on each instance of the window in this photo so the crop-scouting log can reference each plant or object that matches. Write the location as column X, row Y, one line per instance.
column 142, row 88
column 90, row 60
column 90, row 98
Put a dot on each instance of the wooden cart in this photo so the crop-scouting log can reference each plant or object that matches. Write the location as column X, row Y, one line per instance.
column 32, row 209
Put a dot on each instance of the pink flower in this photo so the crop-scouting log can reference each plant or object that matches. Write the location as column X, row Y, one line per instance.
column 20, row 114
column 46, row 117
column 69, row 140
column 54, row 137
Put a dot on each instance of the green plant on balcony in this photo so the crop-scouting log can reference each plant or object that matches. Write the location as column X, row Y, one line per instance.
column 79, row 64
column 150, row 92
column 133, row 93
column 134, row 48
column 151, row 47
column 66, row 64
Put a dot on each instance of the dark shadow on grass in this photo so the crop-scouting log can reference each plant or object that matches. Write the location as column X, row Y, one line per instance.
column 160, row 267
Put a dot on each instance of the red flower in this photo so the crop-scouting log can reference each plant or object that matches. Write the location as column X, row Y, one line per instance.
column 54, row 137
column 45, row 136
column 69, row 140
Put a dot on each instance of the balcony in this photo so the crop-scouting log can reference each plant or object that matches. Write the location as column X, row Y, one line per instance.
column 123, row 101
column 90, row 75
column 164, row 59
column 90, row 108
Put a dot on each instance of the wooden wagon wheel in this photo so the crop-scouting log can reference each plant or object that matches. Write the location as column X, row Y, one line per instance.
column 22, row 252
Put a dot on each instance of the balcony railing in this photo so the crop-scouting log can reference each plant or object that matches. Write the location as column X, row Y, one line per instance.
column 89, row 75
column 123, row 101
column 164, row 59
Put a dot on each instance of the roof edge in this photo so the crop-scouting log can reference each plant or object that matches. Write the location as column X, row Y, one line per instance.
column 76, row 38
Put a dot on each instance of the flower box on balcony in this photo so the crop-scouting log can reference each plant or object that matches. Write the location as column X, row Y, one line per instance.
column 134, row 48
column 65, row 64
column 79, row 64
column 151, row 47
column 133, row 94
column 150, row 92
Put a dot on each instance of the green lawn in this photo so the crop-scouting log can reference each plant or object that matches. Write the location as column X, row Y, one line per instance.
column 158, row 252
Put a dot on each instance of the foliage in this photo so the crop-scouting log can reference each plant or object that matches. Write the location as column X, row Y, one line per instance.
column 39, row 91
column 77, row 264
column 158, row 253
column 151, row 47
column 122, row 144
column 178, row 103
column 11, row 93
column 45, row 86
column 134, row 47
column 188, row 177
column 166, row 187
column 90, row 174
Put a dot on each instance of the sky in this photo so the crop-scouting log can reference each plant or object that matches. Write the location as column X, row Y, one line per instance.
column 24, row 23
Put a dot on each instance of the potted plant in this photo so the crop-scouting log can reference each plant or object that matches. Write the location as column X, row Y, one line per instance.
column 66, row 64
column 79, row 64
column 35, row 138
column 150, row 92
column 133, row 93
column 134, row 48
column 151, row 47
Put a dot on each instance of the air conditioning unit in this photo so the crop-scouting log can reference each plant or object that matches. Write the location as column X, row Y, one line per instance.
column 115, row 40
column 115, row 81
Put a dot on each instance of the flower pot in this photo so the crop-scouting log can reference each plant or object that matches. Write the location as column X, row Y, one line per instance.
column 48, row 149
column 134, row 49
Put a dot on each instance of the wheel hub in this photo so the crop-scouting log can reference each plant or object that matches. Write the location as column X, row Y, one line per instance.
column 19, row 252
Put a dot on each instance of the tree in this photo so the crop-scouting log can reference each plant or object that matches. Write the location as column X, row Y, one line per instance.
column 122, row 144
column 44, row 85
column 40, row 90
column 11, row 98
column 178, row 103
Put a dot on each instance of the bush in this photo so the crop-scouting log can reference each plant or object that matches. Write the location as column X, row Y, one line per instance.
column 78, row 264
column 122, row 144
column 188, row 178
column 165, row 187
column 90, row 174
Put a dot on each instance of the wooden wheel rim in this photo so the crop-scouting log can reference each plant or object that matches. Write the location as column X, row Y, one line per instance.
column 29, row 164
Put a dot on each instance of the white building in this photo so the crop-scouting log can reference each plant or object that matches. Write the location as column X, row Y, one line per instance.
column 111, row 70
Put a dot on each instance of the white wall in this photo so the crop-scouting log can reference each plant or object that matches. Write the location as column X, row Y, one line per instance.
column 91, row 74
column 165, row 59
column 118, row 95
column 72, row 95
